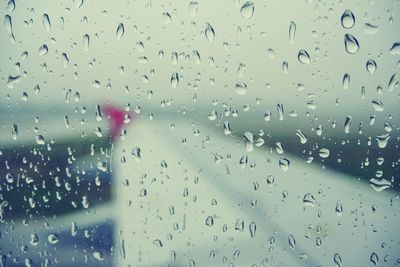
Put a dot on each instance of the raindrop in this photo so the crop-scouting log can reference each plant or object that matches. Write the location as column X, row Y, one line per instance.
column 247, row 10
column 137, row 153
column 11, row 5
column 209, row 221
column 252, row 229
column 395, row 49
column 377, row 105
column 174, row 80
column 351, row 44
column 9, row 29
column 374, row 258
column 347, row 124
column 209, row 32
column 339, row 208
column 303, row 57
column 337, row 259
column 120, row 31
column 284, row 164
column 379, row 185
column 324, row 153
column 302, row 136
column 309, row 200
column 53, row 238
column 78, row 3
column 86, row 42
column 248, row 138
column 382, row 140
column 241, row 88
column 46, row 22
column 292, row 241
column 157, row 243
column 348, row 19
column 371, row 66
column 98, row 255
column 346, row 81
column 193, row 8
column 292, row 32
column 370, row 29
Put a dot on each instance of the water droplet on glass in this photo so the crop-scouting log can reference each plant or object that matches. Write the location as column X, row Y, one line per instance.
column 98, row 255
column 379, row 185
column 157, row 243
column 371, row 66
column 78, row 3
column 86, row 41
column 247, row 10
column 174, row 80
column 53, row 238
column 241, row 88
column 43, row 50
column 46, row 22
column 370, row 29
column 395, row 49
column 324, row 153
column 209, row 221
column 9, row 28
column 337, row 259
column 248, row 138
column 120, row 31
column 292, row 241
column 346, row 81
column 348, row 19
column 351, row 44
column 383, row 140
column 209, row 32
column 309, row 200
column 292, row 32
column 252, row 229
column 284, row 164
column 193, row 8
column 377, row 105
column 347, row 124
column 374, row 258
column 303, row 57
column 339, row 208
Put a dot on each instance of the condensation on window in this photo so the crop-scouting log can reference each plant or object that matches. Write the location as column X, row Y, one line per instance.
column 199, row 133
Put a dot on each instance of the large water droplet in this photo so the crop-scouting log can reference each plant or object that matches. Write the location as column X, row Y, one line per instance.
column 379, row 185
column 351, row 44
column 348, row 19
column 247, row 10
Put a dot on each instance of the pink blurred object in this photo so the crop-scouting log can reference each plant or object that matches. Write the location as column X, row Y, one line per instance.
column 116, row 117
